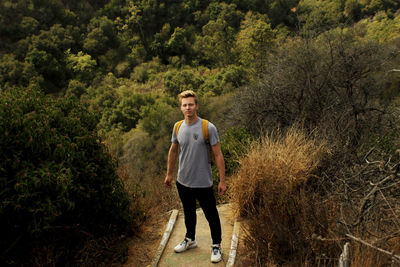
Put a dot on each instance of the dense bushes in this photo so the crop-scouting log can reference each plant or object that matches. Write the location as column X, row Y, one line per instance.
column 57, row 179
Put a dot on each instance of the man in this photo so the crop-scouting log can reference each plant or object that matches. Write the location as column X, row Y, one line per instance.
column 194, row 175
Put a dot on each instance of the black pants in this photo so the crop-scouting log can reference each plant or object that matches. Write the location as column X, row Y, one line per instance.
column 206, row 198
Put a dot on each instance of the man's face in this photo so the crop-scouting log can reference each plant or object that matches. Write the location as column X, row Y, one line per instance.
column 189, row 107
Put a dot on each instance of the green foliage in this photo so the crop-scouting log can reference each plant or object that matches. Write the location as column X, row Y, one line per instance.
column 81, row 64
column 373, row 6
column 280, row 12
column 255, row 40
column 205, row 81
column 234, row 145
column 126, row 114
column 14, row 72
column 154, row 120
column 178, row 44
column 214, row 45
column 101, row 36
column 318, row 16
column 145, row 147
column 177, row 81
column 55, row 173
column 353, row 9
column 223, row 81
column 382, row 28
column 75, row 88
column 46, row 54
column 140, row 73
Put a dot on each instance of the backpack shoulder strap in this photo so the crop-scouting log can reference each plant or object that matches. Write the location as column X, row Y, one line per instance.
column 177, row 126
column 204, row 128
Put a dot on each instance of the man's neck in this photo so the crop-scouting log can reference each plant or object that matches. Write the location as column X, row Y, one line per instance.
column 191, row 120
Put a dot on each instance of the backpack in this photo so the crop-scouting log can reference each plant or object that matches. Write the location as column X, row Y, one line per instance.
column 204, row 129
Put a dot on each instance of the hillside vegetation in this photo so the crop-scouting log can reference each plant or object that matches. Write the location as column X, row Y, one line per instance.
column 88, row 100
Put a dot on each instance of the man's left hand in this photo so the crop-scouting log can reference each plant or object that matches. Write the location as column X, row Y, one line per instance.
column 221, row 188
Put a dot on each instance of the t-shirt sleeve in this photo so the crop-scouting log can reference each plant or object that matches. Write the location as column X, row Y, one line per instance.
column 213, row 134
column 174, row 138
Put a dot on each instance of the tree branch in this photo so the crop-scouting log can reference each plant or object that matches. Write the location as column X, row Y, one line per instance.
column 391, row 254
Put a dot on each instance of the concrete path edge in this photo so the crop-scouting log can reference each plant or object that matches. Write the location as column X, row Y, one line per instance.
column 164, row 240
column 234, row 244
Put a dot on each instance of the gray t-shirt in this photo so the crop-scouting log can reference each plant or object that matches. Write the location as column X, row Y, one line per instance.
column 194, row 155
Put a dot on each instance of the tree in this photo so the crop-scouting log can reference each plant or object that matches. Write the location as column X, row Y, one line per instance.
column 255, row 40
column 101, row 36
column 58, row 183
column 319, row 16
column 214, row 45
column 177, row 81
column 81, row 64
column 46, row 52
column 332, row 83
column 143, row 150
column 14, row 72
column 126, row 114
column 280, row 12
column 371, row 7
column 382, row 28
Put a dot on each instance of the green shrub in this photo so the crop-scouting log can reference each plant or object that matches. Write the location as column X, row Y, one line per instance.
column 56, row 177
column 178, row 81
column 234, row 145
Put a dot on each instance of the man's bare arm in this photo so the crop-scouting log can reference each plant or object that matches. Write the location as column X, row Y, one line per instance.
column 172, row 157
column 219, row 160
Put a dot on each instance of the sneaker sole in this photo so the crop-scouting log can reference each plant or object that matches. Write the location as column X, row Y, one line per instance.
column 214, row 261
column 189, row 247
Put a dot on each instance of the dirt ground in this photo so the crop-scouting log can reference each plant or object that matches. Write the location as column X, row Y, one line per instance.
column 143, row 247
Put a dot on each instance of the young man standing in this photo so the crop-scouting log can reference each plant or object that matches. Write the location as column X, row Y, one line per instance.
column 194, row 175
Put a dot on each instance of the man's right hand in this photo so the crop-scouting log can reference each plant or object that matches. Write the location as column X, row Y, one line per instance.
column 168, row 181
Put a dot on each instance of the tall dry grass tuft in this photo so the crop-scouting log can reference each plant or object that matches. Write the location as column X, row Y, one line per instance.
column 276, row 161
column 365, row 256
column 274, row 190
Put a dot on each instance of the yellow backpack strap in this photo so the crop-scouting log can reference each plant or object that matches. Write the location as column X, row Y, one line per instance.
column 204, row 128
column 177, row 126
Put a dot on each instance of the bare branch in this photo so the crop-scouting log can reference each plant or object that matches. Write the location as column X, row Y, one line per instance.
column 391, row 254
column 367, row 197
column 396, row 220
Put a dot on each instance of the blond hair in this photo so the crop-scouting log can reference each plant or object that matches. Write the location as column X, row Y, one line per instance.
column 187, row 93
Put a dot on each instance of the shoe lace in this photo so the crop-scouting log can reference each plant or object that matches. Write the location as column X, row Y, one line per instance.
column 184, row 242
column 216, row 250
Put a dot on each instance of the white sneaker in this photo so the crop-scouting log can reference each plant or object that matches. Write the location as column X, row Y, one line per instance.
column 216, row 253
column 186, row 244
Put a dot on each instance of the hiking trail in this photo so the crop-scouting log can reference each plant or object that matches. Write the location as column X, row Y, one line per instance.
column 200, row 256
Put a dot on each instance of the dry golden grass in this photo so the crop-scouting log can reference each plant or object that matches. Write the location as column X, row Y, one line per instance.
column 277, row 162
column 273, row 190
